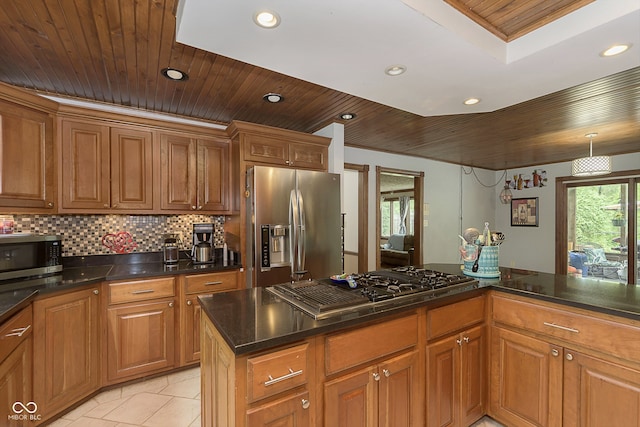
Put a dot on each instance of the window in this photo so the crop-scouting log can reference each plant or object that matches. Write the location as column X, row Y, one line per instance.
column 600, row 219
column 391, row 218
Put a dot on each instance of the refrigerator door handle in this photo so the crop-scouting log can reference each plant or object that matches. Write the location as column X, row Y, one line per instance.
column 301, row 236
column 293, row 239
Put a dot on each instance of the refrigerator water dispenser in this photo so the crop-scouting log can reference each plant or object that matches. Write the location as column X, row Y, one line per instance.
column 275, row 246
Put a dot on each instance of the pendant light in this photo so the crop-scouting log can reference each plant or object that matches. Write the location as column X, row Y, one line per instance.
column 589, row 166
column 505, row 195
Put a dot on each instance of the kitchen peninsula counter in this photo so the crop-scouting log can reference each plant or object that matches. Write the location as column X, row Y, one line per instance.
column 254, row 319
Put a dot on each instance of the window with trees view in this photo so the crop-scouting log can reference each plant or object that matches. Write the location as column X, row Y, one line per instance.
column 602, row 229
column 391, row 218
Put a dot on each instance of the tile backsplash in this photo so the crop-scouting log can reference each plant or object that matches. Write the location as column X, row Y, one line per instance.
column 82, row 234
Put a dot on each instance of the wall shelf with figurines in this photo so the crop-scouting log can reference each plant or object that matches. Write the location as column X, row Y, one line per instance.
column 521, row 181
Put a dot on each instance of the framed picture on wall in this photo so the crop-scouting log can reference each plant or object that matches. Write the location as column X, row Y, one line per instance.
column 524, row 212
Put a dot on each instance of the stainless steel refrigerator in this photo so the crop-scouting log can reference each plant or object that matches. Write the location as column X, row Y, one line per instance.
column 294, row 225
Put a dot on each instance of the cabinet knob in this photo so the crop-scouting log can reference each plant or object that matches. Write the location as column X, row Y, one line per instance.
column 96, row 292
column 193, row 208
column 189, row 302
column 105, row 205
column 305, row 404
column 200, row 207
column 50, row 205
column 376, row 376
column 466, row 339
column 459, row 341
column 386, row 373
column 569, row 356
column 555, row 352
column 171, row 304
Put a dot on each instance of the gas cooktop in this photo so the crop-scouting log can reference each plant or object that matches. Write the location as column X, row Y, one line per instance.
column 325, row 298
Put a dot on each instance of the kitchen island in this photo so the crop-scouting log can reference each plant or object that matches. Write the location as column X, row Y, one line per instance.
column 263, row 359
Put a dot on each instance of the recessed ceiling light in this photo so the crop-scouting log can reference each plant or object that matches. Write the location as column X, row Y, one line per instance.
column 348, row 116
column 174, row 74
column 395, row 70
column 266, row 19
column 471, row 101
column 616, row 49
column 273, row 98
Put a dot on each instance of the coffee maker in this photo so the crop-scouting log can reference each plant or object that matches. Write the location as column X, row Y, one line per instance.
column 202, row 250
column 171, row 248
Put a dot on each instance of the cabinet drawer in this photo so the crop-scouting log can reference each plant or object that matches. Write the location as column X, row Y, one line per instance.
column 140, row 290
column 278, row 371
column 359, row 346
column 14, row 331
column 214, row 282
column 455, row 317
column 616, row 339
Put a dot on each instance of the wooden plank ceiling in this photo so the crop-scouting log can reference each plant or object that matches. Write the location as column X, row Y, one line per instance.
column 112, row 51
column 510, row 19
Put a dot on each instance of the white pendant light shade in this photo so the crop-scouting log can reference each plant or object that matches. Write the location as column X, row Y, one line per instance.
column 587, row 166
column 590, row 166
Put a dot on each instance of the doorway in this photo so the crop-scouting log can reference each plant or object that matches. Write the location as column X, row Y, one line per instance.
column 599, row 221
column 399, row 217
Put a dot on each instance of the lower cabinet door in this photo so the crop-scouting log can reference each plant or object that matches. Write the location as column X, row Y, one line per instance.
column 599, row 393
column 526, row 380
column 190, row 332
column 289, row 411
column 140, row 339
column 352, row 400
column 399, row 389
column 66, row 348
column 443, row 377
column 15, row 384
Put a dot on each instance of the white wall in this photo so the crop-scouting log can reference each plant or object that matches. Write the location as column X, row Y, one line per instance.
column 533, row 248
column 460, row 197
column 444, row 184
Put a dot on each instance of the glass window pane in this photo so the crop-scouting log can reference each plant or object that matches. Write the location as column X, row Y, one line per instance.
column 597, row 232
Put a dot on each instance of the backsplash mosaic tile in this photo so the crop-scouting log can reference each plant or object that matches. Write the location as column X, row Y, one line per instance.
column 82, row 234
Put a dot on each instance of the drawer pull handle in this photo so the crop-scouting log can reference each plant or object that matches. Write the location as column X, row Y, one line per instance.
column 142, row 291
column 305, row 404
column 18, row 332
column 291, row 374
column 217, row 282
column 564, row 328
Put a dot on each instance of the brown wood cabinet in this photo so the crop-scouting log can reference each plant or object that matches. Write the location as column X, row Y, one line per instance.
column 268, row 388
column 196, row 173
column 552, row 366
column 192, row 286
column 279, row 147
column 456, row 379
column 66, row 348
column 140, row 328
column 456, row 364
column 105, row 167
column 383, row 395
column 16, row 367
column 27, row 167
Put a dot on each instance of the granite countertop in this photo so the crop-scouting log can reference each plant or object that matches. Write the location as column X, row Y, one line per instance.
column 81, row 271
column 254, row 319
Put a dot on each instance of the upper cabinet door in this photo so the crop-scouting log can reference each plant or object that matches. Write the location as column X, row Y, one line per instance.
column 177, row 172
column 85, row 166
column 131, row 169
column 26, row 158
column 214, row 179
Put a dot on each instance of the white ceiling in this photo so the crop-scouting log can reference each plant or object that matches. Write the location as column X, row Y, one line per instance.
column 347, row 44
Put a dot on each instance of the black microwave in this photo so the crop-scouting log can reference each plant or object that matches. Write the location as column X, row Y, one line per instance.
column 29, row 255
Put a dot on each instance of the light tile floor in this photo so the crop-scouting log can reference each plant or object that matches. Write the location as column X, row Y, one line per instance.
column 169, row 401
column 172, row 400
